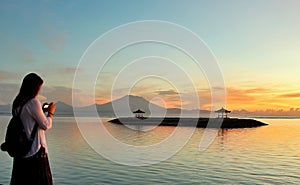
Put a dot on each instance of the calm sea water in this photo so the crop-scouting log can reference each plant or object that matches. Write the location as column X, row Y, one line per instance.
column 263, row 155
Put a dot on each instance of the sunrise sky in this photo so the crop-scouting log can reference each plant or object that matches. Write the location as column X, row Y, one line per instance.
column 256, row 43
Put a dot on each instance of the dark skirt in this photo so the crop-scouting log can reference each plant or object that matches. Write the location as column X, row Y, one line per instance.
column 34, row 170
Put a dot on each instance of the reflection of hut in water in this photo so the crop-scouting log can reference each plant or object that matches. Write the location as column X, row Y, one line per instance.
column 139, row 114
column 222, row 113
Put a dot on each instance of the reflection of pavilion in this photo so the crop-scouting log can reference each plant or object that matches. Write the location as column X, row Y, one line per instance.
column 139, row 114
column 222, row 113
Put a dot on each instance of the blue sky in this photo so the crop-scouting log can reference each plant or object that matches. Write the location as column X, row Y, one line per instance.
column 257, row 43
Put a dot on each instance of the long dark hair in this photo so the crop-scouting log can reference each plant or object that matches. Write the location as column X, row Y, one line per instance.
column 29, row 89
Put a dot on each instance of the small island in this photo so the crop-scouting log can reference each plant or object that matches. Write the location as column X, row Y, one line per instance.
column 222, row 121
column 198, row 122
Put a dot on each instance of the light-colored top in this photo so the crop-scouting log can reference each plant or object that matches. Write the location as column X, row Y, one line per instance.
column 32, row 113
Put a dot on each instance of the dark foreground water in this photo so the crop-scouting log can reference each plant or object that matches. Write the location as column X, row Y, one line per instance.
column 264, row 155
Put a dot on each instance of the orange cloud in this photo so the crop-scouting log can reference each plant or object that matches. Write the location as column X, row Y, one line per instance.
column 102, row 101
column 261, row 100
column 290, row 95
column 167, row 92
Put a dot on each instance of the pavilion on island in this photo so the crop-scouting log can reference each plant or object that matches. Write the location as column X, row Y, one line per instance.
column 139, row 114
column 222, row 113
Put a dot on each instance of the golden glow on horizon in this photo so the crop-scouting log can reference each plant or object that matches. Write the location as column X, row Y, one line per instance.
column 251, row 99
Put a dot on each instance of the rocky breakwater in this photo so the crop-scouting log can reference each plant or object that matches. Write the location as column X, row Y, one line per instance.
column 193, row 122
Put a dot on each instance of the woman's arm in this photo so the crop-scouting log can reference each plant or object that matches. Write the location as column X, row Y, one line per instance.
column 37, row 113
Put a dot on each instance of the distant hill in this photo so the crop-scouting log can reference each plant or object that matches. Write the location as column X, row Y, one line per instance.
column 123, row 107
column 120, row 107
column 63, row 109
column 126, row 105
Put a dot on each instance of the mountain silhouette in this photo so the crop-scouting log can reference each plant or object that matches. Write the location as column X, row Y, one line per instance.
column 63, row 108
column 123, row 106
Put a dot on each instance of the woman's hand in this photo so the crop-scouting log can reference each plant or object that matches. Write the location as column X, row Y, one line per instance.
column 51, row 109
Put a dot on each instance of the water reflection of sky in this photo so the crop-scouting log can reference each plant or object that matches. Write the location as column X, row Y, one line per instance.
column 269, row 154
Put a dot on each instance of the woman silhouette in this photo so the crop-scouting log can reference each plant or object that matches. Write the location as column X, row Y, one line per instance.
column 33, row 168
